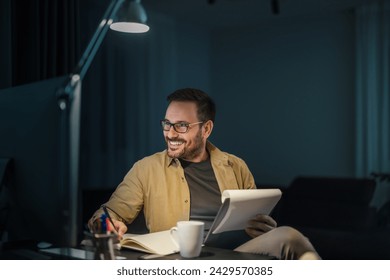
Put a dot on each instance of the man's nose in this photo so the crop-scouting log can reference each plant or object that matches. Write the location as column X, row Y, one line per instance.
column 171, row 133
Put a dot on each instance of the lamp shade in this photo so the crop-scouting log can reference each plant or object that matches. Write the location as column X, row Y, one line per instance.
column 131, row 18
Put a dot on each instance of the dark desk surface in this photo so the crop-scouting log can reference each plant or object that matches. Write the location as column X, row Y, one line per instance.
column 208, row 253
column 52, row 253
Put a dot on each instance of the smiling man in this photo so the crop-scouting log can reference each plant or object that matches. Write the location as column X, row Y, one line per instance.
column 183, row 141
column 185, row 182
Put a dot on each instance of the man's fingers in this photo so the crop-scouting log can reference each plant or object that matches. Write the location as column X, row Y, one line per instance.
column 260, row 226
column 266, row 219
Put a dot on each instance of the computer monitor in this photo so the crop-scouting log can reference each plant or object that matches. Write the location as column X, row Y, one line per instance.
column 31, row 134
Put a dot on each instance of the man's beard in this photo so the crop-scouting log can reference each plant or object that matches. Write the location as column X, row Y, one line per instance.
column 187, row 153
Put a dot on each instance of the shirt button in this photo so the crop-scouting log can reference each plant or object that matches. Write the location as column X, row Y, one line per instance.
column 186, row 201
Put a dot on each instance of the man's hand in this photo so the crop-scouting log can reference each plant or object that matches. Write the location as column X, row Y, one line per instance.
column 120, row 228
column 260, row 225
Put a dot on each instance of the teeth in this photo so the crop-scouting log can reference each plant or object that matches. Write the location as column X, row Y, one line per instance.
column 175, row 143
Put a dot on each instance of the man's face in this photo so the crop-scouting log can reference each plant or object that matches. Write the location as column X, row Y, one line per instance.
column 190, row 146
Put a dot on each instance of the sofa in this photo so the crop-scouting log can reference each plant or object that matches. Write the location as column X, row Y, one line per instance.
column 336, row 215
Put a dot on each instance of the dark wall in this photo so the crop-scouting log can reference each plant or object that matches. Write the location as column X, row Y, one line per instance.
column 286, row 96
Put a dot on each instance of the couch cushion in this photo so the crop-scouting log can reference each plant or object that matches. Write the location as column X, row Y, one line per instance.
column 350, row 190
column 322, row 202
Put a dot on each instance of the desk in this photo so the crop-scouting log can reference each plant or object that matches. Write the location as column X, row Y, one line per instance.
column 84, row 252
column 208, row 253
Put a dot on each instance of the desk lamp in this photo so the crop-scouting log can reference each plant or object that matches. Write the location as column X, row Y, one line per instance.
column 131, row 19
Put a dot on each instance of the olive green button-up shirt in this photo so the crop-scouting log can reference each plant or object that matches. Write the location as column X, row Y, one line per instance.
column 157, row 185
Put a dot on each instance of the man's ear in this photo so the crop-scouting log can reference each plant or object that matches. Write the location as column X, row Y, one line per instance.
column 208, row 128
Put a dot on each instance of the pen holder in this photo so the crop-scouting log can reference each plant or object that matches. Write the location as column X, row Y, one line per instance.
column 104, row 246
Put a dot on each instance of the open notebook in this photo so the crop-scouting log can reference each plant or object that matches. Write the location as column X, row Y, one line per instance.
column 238, row 207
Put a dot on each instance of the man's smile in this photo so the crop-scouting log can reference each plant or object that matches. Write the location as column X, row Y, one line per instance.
column 175, row 143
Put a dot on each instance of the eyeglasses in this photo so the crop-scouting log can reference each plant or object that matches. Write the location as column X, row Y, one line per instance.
column 180, row 127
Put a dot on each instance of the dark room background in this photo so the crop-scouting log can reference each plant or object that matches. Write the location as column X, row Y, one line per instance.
column 304, row 91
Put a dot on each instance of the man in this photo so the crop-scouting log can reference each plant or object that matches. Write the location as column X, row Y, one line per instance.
column 186, row 180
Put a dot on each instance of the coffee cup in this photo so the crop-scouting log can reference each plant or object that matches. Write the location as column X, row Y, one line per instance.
column 188, row 237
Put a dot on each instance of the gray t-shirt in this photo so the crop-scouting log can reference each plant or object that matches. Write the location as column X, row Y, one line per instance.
column 204, row 191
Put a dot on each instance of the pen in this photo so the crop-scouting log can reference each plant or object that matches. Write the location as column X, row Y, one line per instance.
column 108, row 216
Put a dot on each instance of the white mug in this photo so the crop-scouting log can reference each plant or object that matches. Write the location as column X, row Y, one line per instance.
column 188, row 237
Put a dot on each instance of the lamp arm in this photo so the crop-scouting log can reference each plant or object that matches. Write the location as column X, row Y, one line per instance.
column 69, row 102
column 90, row 51
column 97, row 39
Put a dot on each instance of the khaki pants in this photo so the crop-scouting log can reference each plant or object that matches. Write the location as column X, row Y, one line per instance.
column 284, row 243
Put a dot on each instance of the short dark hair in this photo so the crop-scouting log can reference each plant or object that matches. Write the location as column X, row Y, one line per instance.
column 205, row 104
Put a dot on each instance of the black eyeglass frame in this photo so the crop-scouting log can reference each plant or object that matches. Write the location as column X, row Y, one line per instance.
column 177, row 125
